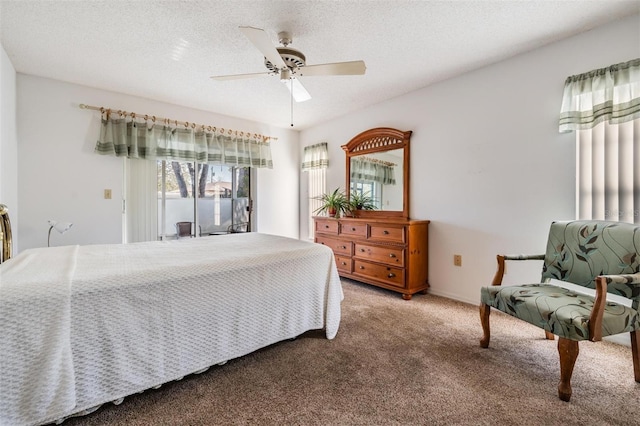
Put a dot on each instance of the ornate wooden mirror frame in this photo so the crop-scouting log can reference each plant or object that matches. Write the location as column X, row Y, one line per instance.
column 379, row 140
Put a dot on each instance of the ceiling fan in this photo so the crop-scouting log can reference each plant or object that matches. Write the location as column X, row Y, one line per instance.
column 290, row 63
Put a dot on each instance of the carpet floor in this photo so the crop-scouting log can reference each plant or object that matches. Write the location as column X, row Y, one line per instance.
column 397, row 362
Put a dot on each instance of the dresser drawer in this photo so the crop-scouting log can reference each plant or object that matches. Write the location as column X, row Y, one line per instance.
column 386, row 274
column 388, row 233
column 353, row 229
column 338, row 246
column 343, row 263
column 327, row 226
column 389, row 255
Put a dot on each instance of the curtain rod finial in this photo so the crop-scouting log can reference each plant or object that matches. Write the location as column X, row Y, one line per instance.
column 83, row 106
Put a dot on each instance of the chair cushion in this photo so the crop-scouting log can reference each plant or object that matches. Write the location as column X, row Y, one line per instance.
column 560, row 311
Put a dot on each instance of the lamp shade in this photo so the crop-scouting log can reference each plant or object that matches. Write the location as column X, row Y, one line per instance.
column 61, row 227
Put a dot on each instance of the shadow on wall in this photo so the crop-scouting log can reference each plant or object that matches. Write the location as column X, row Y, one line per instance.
column 478, row 251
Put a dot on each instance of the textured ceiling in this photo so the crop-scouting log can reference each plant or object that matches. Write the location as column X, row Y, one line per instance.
column 167, row 50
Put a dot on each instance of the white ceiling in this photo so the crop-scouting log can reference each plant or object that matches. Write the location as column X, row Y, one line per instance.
column 167, row 50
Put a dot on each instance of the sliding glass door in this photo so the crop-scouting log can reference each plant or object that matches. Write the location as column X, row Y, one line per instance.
column 212, row 198
column 241, row 203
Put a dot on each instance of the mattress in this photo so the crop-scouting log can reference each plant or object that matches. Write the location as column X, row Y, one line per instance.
column 85, row 325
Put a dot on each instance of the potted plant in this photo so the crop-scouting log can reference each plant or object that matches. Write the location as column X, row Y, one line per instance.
column 361, row 201
column 333, row 203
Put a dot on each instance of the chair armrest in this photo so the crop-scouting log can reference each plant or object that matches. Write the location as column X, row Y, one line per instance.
column 524, row 257
column 620, row 284
column 625, row 285
column 622, row 279
column 497, row 279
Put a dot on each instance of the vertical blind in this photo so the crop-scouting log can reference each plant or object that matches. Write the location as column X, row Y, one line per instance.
column 141, row 195
column 315, row 161
column 608, row 184
column 603, row 108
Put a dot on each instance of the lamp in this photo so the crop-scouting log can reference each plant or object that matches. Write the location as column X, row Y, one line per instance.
column 61, row 227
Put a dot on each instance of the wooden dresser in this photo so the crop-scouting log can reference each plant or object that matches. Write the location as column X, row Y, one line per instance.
column 390, row 253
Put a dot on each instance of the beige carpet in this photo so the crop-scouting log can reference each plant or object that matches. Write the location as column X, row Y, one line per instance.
column 397, row 362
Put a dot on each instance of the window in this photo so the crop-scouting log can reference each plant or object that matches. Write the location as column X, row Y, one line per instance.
column 315, row 162
column 317, row 187
column 188, row 151
column 368, row 189
column 603, row 108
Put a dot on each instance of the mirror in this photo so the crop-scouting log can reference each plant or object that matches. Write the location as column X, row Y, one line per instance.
column 378, row 175
column 377, row 168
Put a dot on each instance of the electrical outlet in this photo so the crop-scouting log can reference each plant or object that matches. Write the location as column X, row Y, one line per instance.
column 457, row 260
column 107, row 194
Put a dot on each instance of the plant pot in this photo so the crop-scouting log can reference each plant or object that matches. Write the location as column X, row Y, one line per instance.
column 332, row 211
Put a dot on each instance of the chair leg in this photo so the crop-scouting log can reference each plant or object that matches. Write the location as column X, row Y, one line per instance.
column 635, row 351
column 549, row 335
column 485, row 310
column 568, row 350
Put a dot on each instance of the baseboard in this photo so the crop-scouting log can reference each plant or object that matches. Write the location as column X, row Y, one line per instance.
column 454, row 296
column 623, row 339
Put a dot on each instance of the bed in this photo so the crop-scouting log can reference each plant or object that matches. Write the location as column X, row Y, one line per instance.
column 85, row 325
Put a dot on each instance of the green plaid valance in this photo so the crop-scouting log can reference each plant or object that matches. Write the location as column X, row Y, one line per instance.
column 315, row 157
column 364, row 169
column 609, row 94
column 132, row 139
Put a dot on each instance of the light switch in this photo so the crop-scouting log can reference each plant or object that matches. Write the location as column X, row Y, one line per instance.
column 107, row 194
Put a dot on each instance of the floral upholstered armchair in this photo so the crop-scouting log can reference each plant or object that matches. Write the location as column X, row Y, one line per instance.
column 594, row 254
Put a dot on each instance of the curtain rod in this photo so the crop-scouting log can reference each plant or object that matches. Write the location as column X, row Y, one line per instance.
column 153, row 118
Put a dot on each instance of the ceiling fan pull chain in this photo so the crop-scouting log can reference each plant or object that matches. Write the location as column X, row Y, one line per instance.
column 291, row 84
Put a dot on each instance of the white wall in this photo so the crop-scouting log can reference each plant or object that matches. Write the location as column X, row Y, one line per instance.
column 488, row 166
column 8, row 142
column 61, row 178
column 278, row 194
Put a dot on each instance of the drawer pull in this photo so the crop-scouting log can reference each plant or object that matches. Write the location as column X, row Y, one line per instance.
column 361, row 267
column 362, row 250
column 353, row 229
column 343, row 247
column 385, row 232
column 392, row 255
column 391, row 275
column 326, row 226
column 344, row 263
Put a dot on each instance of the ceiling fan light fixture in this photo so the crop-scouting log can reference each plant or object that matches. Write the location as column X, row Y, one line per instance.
column 298, row 91
column 285, row 74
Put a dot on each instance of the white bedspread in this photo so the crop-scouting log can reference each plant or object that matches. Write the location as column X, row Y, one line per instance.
column 85, row 325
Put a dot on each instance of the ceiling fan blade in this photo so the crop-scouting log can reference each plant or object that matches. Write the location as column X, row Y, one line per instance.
column 338, row 68
column 298, row 91
column 261, row 40
column 238, row 76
